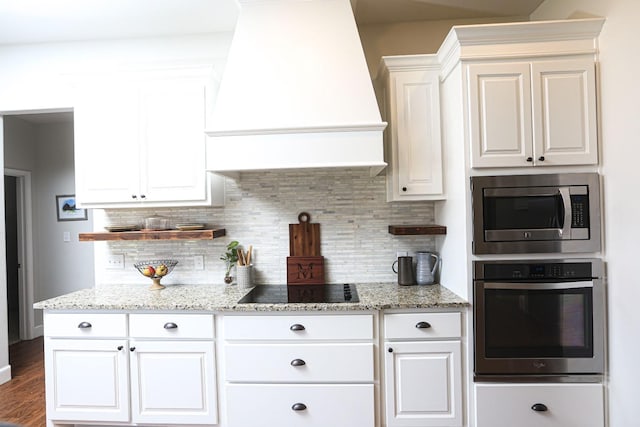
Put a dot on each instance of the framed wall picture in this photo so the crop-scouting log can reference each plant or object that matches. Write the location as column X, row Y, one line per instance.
column 66, row 209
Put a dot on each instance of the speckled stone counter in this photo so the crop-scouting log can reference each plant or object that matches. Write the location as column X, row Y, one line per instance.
column 212, row 298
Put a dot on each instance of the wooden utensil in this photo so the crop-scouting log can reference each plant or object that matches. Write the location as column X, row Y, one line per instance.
column 304, row 237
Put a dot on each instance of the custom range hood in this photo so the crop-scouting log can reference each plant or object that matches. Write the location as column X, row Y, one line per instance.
column 296, row 92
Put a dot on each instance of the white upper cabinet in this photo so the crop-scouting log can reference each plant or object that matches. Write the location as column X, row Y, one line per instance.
column 411, row 91
column 141, row 143
column 520, row 95
column 533, row 113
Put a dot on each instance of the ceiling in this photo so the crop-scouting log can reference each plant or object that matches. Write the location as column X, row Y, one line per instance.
column 36, row 21
column 388, row 11
column 42, row 21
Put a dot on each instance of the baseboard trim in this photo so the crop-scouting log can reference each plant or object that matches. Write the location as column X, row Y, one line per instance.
column 37, row 331
column 5, row 374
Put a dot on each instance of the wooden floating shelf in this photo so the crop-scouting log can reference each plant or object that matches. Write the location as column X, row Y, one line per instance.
column 152, row 235
column 412, row 230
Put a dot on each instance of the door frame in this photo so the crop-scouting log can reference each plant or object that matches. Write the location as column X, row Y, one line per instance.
column 25, row 252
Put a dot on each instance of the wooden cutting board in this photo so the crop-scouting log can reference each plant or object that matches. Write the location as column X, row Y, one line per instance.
column 304, row 237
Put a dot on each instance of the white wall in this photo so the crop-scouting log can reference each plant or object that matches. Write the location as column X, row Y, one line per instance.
column 620, row 127
column 61, row 267
column 409, row 38
column 39, row 76
column 19, row 145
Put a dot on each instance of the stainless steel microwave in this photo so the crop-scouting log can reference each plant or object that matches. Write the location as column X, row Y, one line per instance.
column 514, row 214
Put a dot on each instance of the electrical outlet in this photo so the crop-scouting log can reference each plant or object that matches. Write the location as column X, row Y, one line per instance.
column 115, row 262
column 198, row 262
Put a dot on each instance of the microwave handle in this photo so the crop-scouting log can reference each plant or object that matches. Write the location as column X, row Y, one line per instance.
column 539, row 286
column 566, row 201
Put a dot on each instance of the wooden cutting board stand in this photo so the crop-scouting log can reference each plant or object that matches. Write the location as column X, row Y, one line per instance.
column 305, row 265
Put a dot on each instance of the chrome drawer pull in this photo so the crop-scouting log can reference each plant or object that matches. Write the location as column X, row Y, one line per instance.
column 540, row 407
column 170, row 325
column 423, row 325
column 298, row 362
column 297, row 327
column 84, row 325
column 299, row 407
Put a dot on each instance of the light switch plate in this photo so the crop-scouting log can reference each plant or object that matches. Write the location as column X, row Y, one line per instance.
column 115, row 262
column 198, row 262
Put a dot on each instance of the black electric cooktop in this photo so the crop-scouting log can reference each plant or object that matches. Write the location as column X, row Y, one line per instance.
column 282, row 294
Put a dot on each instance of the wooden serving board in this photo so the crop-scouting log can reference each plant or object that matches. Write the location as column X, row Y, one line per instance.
column 304, row 237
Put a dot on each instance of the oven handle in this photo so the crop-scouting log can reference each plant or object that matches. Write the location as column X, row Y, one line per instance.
column 565, row 233
column 539, row 286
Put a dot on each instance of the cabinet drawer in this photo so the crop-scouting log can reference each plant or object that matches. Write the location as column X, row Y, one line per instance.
column 324, row 405
column 579, row 405
column 78, row 325
column 303, row 327
column 299, row 362
column 434, row 325
column 171, row 326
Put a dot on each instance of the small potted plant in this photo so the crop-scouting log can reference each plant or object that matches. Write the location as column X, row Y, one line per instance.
column 230, row 257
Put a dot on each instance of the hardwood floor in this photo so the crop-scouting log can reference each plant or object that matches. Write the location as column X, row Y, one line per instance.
column 22, row 398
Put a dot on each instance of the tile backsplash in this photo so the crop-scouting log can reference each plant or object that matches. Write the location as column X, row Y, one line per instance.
column 349, row 205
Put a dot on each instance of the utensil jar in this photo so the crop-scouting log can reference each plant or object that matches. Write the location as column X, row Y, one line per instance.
column 426, row 266
column 244, row 278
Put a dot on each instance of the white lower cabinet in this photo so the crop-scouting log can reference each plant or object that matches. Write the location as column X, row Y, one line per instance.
column 539, row 405
column 98, row 370
column 173, row 383
column 87, row 380
column 299, row 370
column 288, row 369
column 423, row 369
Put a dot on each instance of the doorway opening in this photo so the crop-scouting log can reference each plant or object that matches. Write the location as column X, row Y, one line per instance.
column 19, row 254
column 11, row 241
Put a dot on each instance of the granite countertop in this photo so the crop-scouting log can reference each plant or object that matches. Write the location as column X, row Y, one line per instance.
column 373, row 296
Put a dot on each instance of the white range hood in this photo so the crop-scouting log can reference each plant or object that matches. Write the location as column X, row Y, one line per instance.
column 296, row 92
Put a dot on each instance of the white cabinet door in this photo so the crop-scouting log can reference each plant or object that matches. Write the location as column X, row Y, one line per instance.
column 565, row 405
column 423, row 383
column 106, row 149
column 564, row 112
column 417, row 165
column 500, row 132
column 87, row 380
column 410, row 89
column 172, row 164
column 300, row 405
column 173, row 382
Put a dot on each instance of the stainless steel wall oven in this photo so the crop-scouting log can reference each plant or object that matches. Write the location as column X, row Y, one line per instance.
column 547, row 213
column 539, row 320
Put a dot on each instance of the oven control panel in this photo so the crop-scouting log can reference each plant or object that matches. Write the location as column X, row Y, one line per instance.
column 535, row 271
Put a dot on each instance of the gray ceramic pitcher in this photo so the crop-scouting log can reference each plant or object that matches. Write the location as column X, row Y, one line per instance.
column 426, row 266
column 404, row 271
